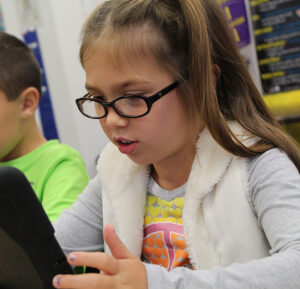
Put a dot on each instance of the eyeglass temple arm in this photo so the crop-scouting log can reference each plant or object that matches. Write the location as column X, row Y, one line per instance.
column 164, row 91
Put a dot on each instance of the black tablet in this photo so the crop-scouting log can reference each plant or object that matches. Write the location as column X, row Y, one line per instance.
column 30, row 256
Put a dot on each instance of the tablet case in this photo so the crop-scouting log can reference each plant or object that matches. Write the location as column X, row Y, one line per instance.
column 30, row 256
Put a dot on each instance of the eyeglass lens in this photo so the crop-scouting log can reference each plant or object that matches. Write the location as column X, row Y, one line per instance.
column 129, row 106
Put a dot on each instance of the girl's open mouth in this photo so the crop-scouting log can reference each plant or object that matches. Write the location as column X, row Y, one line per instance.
column 127, row 147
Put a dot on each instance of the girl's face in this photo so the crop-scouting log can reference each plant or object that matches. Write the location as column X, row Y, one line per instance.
column 165, row 133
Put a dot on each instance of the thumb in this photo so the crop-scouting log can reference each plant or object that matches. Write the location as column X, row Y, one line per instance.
column 117, row 248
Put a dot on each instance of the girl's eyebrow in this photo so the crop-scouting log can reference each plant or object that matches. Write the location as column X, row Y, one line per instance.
column 135, row 82
column 121, row 85
column 89, row 87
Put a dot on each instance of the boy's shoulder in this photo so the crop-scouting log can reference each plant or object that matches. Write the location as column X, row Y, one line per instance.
column 51, row 152
column 57, row 148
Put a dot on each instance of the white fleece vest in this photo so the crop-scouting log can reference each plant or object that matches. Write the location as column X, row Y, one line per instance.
column 219, row 224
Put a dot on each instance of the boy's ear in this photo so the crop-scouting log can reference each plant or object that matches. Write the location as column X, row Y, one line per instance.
column 29, row 98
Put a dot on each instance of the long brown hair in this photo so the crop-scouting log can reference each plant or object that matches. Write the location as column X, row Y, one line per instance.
column 194, row 42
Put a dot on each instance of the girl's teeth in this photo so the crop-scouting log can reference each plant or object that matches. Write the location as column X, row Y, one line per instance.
column 125, row 142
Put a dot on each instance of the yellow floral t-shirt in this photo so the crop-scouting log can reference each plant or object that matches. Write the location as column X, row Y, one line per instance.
column 164, row 239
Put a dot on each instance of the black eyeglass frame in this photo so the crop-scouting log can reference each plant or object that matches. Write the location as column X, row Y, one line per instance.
column 148, row 99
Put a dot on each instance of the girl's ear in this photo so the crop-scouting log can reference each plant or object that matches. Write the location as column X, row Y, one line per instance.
column 217, row 72
column 29, row 99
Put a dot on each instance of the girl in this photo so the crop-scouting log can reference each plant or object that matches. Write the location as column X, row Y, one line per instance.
column 199, row 182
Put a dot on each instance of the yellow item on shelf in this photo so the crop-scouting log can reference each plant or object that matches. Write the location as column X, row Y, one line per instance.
column 284, row 103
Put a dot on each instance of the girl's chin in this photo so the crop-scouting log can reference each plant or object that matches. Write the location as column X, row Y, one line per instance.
column 140, row 161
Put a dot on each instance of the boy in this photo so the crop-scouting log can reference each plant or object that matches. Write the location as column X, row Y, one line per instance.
column 56, row 171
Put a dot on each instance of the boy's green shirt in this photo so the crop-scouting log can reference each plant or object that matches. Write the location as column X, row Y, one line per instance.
column 57, row 174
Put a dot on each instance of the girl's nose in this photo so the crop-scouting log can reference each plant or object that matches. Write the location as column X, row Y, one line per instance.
column 113, row 119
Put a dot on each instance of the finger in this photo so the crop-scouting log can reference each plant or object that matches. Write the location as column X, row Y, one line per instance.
column 117, row 248
column 101, row 261
column 83, row 281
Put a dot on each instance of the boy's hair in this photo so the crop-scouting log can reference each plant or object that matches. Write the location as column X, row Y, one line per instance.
column 192, row 40
column 19, row 68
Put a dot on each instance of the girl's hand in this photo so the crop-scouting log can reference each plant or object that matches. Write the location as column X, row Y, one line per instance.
column 121, row 270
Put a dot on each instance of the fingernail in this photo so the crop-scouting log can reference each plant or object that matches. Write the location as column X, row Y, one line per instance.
column 57, row 280
column 72, row 258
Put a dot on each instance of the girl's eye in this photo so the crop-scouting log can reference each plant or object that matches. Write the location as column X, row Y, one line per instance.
column 96, row 97
column 132, row 95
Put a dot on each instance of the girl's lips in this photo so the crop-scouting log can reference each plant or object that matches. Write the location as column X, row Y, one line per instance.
column 127, row 148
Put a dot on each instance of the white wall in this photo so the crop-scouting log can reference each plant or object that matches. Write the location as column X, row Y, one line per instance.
column 58, row 23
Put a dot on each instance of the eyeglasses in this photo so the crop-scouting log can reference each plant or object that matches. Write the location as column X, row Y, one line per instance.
column 130, row 106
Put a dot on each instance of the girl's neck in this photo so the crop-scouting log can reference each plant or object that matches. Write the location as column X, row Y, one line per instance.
column 174, row 172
